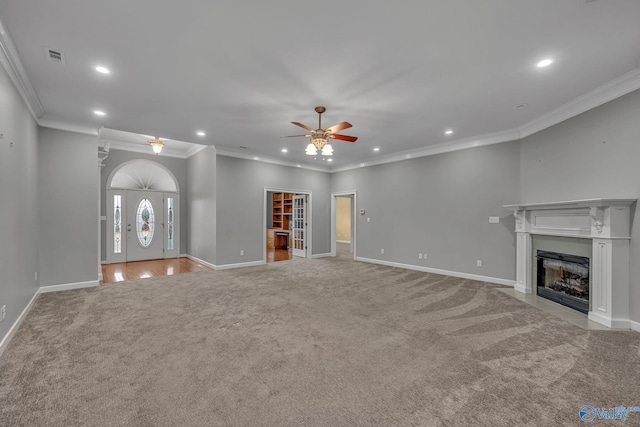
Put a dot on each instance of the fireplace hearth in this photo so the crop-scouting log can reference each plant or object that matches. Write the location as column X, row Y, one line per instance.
column 564, row 278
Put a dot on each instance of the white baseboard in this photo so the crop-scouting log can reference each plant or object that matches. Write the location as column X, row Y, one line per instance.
column 320, row 255
column 239, row 265
column 5, row 341
column 343, row 241
column 68, row 286
column 612, row 323
column 42, row 290
column 521, row 288
column 199, row 261
column 496, row 280
column 635, row 326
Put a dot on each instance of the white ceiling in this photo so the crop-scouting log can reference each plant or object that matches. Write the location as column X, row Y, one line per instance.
column 401, row 72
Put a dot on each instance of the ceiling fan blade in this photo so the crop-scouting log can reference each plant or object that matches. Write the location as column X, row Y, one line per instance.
column 343, row 137
column 294, row 136
column 302, row 126
column 338, row 127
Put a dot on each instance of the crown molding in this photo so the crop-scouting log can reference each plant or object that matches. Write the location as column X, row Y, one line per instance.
column 146, row 149
column 222, row 151
column 67, row 126
column 616, row 88
column 609, row 91
column 432, row 150
column 13, row 65
column 196, row 148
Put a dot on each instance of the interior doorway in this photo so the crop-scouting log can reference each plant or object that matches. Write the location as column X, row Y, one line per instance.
column 287, row 224
column 343, row 221
column 143, row 211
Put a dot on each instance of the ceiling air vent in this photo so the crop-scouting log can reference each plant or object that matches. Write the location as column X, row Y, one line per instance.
column 55, row 56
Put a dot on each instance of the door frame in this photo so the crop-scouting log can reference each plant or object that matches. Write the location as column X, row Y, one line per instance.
column 265, row 211
column 122, row 257
column 353, row 195
column 108, row 218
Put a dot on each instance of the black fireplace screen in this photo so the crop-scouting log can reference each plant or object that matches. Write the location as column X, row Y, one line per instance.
column 564, row 279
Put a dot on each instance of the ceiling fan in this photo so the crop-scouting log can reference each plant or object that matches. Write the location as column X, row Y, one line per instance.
column 320, row 137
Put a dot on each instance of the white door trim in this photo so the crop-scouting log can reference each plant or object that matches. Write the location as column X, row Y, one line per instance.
column 122, row 257
column 309, row 217
column 354, row 196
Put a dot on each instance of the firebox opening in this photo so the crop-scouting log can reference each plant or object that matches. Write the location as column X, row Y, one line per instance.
column 564, row 279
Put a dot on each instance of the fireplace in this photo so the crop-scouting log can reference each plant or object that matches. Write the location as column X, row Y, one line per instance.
column 564, row 279
column 605, row 226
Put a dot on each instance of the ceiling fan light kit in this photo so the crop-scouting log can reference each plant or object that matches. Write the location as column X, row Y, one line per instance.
column 320, row 137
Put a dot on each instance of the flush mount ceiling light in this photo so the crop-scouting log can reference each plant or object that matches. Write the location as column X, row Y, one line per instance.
column 157, row 145
column 320, row 137
column 545, row 63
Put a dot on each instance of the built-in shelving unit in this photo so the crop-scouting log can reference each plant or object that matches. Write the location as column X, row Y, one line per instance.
column 282, row 210
column 281, row 220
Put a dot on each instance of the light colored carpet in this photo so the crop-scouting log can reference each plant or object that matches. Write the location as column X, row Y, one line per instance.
column 322, row 342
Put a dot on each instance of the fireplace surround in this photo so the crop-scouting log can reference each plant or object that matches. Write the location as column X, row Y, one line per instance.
column 606, row 224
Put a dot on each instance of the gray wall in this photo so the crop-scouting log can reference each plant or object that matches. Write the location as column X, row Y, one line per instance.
column 68, row 207
column 593, row 155
column 439, row 205
column 240, row 206
column 201, row 202
column 19, row 206
column 177, row 166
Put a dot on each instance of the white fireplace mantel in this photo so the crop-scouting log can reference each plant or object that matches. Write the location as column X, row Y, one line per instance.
column 607, row 223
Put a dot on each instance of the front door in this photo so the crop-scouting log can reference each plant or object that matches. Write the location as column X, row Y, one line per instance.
column 145, row 225
column 300, row 226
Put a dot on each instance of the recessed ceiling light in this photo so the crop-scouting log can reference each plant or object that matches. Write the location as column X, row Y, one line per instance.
column 448, row 132
column 99, row 113
column 103, row 70
column 284, row 150
column 545, row 63
column 256, row 158
column 376, row 149
column 329, row 160
column 201, row 133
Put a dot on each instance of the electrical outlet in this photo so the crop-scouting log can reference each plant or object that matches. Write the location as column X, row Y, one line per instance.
column 3, row 312
column 479, row 263
column 419, row 256
column 241, row 252
column 381, row 251
column 425, row 256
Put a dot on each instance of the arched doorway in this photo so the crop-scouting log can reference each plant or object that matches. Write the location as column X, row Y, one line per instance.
column 143, row 218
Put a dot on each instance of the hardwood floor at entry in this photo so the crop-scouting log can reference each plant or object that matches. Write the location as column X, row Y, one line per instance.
column 120, row 272
column 279, row 254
